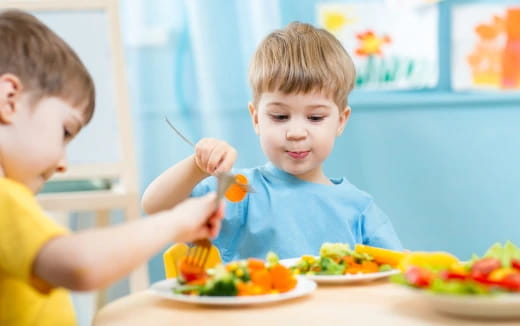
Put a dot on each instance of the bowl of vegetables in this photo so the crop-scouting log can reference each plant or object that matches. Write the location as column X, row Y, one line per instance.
column 487, row 286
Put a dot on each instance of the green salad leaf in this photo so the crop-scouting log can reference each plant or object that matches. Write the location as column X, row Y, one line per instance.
column 457, row 287
column 505, row 253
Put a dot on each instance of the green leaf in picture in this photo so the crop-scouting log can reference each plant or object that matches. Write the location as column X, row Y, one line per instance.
column 410, row 69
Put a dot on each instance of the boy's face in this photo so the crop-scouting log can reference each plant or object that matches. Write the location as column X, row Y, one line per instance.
column 33, row 136
column 297, row 131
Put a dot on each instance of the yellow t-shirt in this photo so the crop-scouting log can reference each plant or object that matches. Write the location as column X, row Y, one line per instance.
column 24, row 229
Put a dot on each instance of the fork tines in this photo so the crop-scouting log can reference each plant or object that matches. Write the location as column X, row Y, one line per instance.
column 198, row 254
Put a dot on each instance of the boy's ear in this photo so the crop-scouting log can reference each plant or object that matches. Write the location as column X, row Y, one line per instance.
column 254, row 116
column 10, row 91
column 343, row 119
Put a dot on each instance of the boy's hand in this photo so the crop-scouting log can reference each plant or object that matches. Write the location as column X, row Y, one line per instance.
column 197, row 218
column 214, row 156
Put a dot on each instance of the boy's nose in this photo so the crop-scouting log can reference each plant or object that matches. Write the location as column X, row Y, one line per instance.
column 296, row 133
column 62, row 165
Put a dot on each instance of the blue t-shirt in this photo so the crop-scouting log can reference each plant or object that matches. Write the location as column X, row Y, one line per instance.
column 293, row 217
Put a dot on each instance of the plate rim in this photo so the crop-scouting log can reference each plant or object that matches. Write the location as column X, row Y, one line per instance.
column 506, row 305
column 304, row 287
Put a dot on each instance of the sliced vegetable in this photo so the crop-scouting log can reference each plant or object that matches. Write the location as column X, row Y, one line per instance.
column 483, row 267
column 511, row 282
column 381, row 255
column 418, row 276
column 432, row 260
column 190, row 273
column 282, row 278
column 235, row 192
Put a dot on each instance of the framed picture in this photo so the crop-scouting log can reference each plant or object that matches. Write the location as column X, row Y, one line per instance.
column 486, row 47
column 392, row 47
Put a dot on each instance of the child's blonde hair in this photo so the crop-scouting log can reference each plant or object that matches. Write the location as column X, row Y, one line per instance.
column 300, row 59
column 43, row 62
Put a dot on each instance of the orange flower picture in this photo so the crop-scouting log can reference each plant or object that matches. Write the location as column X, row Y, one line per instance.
column 486, row 47
column 388, row 54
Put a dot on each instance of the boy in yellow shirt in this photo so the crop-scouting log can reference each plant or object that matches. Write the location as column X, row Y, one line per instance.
column 46, row 98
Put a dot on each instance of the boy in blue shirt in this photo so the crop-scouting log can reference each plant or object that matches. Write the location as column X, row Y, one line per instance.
column 301, row 77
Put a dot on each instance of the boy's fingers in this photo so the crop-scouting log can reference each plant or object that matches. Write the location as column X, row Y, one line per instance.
column 215, row 158
column 215, row 229
column 203, row 151
column 215, row 218
column 227, row 162
column 225, row 166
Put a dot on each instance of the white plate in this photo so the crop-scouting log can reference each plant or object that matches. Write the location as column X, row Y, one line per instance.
column 165, row 289
column 346, row 278
column 498, row 306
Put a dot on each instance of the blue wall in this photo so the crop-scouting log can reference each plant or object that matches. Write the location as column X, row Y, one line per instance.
column 444, row 169
column 443, row 165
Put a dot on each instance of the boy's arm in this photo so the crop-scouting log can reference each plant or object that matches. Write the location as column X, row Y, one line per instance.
column 172, row 186
column 96, row 258
column 212, row 156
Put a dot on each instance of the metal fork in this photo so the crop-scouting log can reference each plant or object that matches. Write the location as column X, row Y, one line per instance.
column 197, row 255
column 246, row 187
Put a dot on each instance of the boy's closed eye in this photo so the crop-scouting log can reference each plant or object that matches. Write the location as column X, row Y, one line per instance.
column 284, row 117
column 66, row 134
column 71, row 129
column 69, row 133
column 279, row 117
column 316, row 118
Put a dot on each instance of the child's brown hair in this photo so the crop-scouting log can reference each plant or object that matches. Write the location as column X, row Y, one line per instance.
column 300, row 59
column 44, row 63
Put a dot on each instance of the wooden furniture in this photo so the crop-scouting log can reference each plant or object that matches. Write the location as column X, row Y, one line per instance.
column 105, row 149
column 378, row 303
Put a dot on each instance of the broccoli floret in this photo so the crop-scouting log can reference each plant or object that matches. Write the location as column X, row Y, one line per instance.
column 222, row 283
column 329, row 267
column 222, row 287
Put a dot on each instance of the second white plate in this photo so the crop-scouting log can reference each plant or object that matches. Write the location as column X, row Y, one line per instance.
column 346, row 278
column 473, row 306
